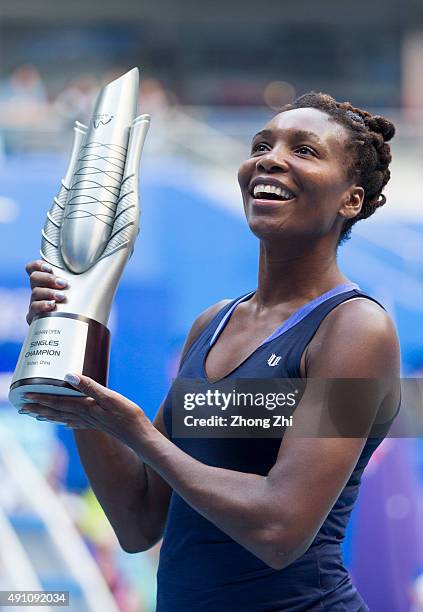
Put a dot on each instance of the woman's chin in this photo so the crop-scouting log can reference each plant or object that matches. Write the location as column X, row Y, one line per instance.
column 267, row 228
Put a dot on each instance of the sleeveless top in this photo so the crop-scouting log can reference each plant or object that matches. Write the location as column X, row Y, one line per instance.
column 201, row 567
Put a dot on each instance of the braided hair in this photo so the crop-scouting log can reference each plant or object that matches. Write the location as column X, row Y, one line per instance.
column 370, row 156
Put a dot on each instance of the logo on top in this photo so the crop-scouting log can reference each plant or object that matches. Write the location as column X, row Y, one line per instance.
column 273, row 360
column 103, row 119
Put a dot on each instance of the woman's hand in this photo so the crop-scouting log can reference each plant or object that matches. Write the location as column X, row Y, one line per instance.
column 47, row 289
column 102, row 410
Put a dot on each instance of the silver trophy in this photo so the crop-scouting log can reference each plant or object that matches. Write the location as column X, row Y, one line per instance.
column 88, row 237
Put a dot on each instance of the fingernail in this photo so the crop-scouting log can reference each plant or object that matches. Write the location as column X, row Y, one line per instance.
column 31, row 414
column 45, row 267
column 72, row 379
column 51, row 302
column 40, row 418
column 61, row 282
column 58, row 295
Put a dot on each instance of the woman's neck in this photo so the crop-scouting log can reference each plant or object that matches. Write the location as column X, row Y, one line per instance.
column 295, row 274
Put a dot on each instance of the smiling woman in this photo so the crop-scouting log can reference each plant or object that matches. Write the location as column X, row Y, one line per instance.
column 318, row 129
column 255, row 525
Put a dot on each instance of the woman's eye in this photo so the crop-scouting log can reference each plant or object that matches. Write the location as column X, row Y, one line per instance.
column 260, row 147
column 306, row 149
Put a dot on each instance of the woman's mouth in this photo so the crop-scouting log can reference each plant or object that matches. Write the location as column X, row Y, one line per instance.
column 265, row 194
column 271, row 192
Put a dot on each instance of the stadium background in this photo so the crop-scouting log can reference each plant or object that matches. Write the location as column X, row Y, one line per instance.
column 212, row 74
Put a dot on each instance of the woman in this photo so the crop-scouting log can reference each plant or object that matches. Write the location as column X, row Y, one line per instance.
column 256, row 525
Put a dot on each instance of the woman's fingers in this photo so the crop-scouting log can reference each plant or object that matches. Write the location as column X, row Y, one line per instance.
column 36, row 308
column 45, row 279
column 39, row 294
column 41, row 275
column 101, row 409
column 90, row 387
column 98, row 398
column 78, row 406
column 44, row 300
column 38, row 264
column 105, row 398
column 47, row 288
column 41, row 413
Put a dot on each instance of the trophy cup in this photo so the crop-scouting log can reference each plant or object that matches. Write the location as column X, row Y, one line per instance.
column 88, row 237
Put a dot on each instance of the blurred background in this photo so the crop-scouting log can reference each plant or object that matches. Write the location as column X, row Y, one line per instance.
column 212, row 74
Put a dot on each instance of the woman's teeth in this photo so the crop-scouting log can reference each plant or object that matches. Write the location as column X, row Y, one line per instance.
column 260, row 191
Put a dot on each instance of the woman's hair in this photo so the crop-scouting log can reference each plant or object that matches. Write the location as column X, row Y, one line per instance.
column 369, row 155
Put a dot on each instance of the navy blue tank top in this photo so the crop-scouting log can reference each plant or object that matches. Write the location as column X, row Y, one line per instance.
column 202, row 568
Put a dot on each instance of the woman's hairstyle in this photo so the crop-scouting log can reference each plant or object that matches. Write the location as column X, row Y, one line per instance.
column 369, row 155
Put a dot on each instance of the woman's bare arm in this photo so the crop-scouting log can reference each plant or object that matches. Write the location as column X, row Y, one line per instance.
column 133, row 496
column 277, row 516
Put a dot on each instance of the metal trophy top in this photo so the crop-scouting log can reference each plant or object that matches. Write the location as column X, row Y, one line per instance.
column 94, row 192
column 95, row 216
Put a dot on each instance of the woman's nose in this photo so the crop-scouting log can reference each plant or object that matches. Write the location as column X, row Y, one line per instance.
column 272, row 162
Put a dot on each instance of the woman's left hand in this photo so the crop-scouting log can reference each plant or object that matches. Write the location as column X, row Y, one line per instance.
column 102, row 409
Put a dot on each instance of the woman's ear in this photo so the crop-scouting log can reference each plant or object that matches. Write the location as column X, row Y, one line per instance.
column 352, row 203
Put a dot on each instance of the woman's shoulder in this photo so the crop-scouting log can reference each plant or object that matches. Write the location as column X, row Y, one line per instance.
column 360, row 334
column 208, row 314
column 361, row 314
column 201, row 322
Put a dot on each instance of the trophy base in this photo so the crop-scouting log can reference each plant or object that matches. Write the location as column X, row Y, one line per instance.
column 46, row 386
column 58, row 343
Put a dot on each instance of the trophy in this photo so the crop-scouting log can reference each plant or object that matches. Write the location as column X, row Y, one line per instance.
column 87, row 239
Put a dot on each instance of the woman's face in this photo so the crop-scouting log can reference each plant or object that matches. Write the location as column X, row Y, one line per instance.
column 295, row 181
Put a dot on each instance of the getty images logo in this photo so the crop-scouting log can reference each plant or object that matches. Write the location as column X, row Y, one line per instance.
column 273, row 360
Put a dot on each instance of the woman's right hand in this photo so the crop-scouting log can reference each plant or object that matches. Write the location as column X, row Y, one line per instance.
column 47, row 289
